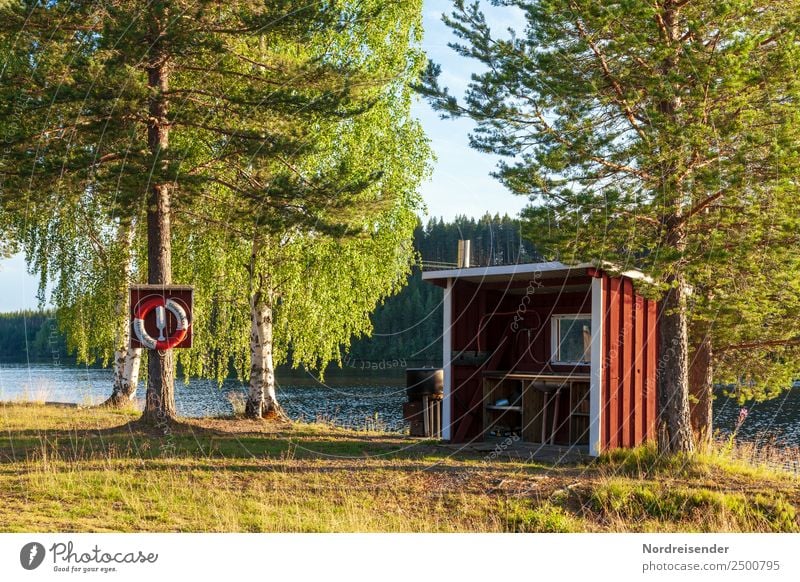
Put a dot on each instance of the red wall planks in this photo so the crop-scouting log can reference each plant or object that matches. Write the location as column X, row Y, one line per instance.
column 467, row 418
column 605, row 392
column 614, row 361
column 629, row 367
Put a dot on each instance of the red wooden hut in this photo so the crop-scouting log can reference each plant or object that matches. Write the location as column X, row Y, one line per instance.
column 550, row 353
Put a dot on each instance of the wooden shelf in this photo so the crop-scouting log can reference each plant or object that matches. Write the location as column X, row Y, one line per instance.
column 553, row 409
column 537, row 376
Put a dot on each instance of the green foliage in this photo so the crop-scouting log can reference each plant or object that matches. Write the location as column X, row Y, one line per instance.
column 715, row 461
column 289, row 131
column 406, row 326
column 524, row 516
column 662, row 136
column 323, row 231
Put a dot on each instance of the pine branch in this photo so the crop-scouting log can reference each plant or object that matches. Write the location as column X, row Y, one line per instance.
column 621, row 101
column 700, row 206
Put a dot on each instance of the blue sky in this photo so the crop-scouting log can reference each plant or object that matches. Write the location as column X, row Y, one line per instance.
column 461, row 182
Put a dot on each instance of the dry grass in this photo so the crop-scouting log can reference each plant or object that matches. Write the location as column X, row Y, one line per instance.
column 71, row 469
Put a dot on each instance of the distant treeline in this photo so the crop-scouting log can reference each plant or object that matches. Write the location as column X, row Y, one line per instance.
column 31, row 336
column 408, row 326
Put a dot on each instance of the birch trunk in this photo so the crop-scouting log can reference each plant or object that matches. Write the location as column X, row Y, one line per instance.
column 261, row 399
column 126, row 359
column 126, row 376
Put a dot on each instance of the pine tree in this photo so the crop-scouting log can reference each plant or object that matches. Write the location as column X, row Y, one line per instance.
column 645, row 133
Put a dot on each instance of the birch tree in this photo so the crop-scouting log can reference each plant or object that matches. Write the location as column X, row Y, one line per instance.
column 349, row 186
column 314, row 279
column 89, row 264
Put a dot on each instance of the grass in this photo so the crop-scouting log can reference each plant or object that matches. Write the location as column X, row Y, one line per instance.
column 75, row 469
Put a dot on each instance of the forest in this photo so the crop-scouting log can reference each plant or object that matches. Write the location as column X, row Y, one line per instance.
column 32, row 336
column 407, row 326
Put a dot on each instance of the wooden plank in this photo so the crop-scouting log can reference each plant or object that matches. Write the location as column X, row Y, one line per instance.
column 471, row 423
column 465, row 315
column 541, row 283
column 605, row 395
column 612, row 403
column 480, row 330
column 651, row 376
column 639, row 423
column 532, row 414
column 626, row 377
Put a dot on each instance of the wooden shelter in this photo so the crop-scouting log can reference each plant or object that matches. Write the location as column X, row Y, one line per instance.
column 548, row 353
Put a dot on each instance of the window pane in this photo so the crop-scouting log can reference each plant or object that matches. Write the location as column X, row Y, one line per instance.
column 575, row 337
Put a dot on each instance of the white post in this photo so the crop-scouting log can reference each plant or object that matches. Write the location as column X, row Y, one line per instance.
column 596, row 368
column 447, row 354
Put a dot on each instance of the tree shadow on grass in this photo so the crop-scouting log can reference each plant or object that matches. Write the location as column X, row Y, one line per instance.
column 188, row 438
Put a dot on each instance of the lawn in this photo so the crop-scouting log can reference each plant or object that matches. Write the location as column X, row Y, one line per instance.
column 72, row 469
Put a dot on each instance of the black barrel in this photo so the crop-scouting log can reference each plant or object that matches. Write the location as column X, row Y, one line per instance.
column 424, row 382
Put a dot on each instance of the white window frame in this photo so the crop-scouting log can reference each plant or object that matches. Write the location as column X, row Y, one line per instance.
column 555, row 336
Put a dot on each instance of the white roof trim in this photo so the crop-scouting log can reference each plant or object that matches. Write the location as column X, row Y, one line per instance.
column 552, row 267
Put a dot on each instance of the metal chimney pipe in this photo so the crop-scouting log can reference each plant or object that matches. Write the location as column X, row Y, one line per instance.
column 463, row 254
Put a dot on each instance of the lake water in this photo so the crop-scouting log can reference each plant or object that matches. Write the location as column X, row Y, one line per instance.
column 353, row 400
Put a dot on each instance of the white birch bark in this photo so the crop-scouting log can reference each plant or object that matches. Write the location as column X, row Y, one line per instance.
column 126, row 359
column 126, row 375
column 261, row 397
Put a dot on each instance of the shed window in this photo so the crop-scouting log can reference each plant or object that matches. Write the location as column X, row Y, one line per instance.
column 572, row 339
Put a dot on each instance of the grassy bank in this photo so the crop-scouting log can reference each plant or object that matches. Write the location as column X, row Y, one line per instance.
column 69, row 469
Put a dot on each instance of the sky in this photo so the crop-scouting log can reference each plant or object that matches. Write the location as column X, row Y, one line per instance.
column 461, row 183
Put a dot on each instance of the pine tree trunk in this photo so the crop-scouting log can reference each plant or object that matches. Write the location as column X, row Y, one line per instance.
column 261, row 399
column 160, row 400
column 674, row 424
column 701, row 390
column 674, row 430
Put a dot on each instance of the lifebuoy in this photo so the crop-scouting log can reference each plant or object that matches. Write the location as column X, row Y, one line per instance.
column 175, row 308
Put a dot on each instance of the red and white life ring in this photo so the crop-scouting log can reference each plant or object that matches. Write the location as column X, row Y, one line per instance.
column 148, row 341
